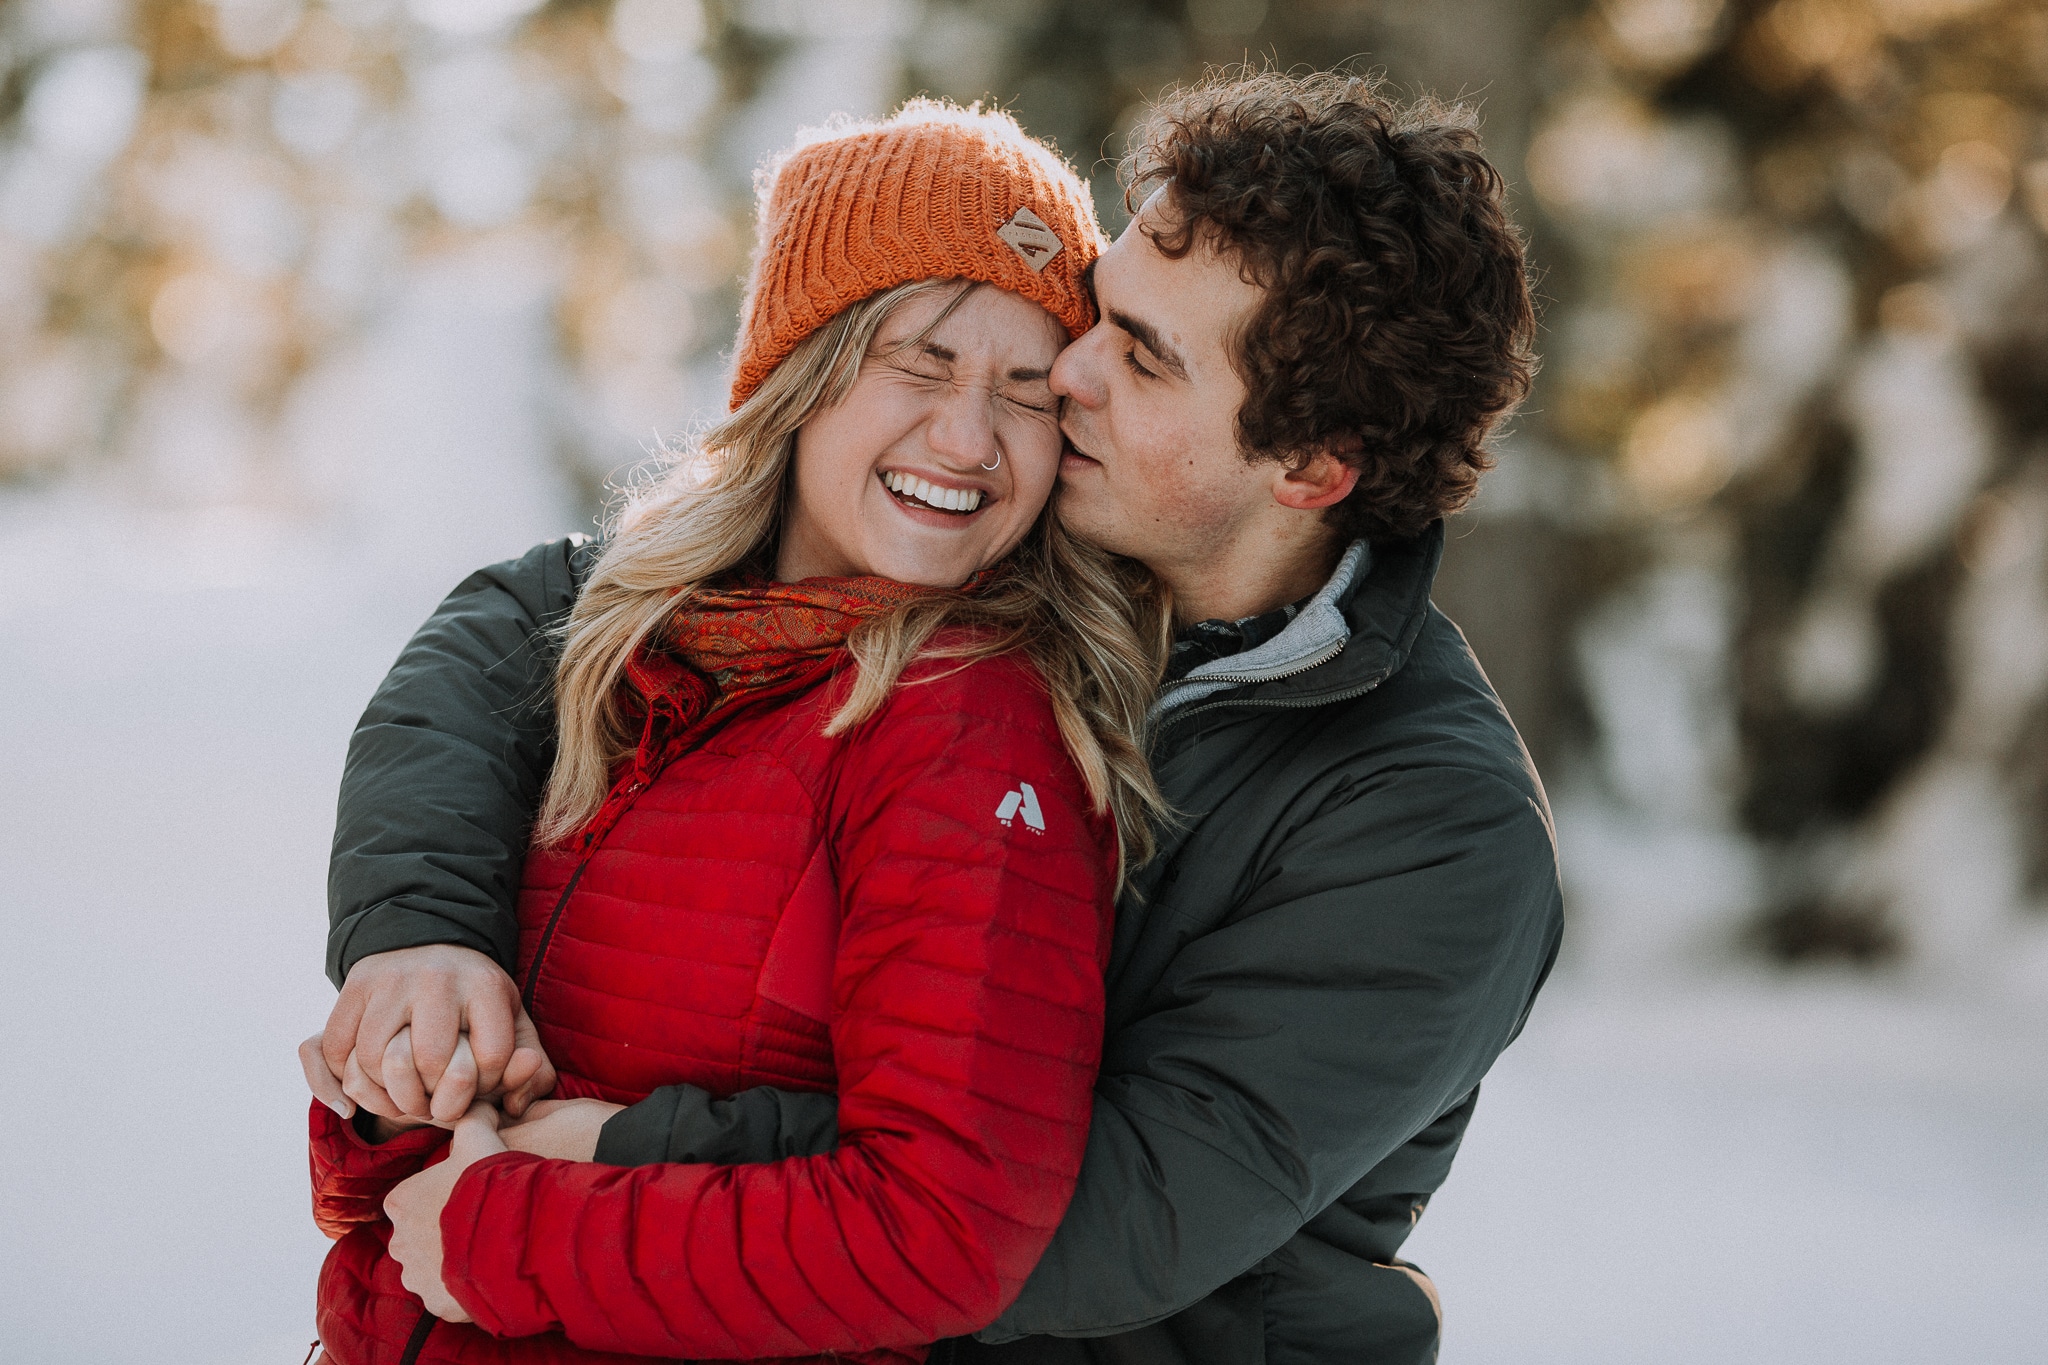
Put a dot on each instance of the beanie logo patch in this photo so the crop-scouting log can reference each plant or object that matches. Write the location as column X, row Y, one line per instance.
column 1028, row 236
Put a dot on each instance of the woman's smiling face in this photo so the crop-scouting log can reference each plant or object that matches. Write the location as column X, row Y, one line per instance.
column 895, row 480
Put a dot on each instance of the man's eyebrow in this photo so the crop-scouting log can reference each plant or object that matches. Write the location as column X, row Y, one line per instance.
column 1149, row 336
column 1026, row 375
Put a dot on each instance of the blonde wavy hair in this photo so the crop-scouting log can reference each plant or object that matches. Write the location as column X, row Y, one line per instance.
column 1095, row 625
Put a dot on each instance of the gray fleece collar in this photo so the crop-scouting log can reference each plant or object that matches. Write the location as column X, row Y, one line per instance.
column 1317, row 635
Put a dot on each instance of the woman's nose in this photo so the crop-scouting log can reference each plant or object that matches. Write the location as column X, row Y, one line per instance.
column 962, row 432
column 1076, row 374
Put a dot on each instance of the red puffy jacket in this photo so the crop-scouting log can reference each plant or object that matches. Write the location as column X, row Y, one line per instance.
column 916, row 914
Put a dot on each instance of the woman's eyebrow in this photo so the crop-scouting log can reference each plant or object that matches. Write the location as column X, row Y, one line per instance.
column 1023, row 374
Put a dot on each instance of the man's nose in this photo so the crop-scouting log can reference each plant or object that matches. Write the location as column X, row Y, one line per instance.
column 1076, row 373
column 961, row 431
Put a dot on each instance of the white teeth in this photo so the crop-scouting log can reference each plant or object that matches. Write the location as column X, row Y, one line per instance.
column 948, row 499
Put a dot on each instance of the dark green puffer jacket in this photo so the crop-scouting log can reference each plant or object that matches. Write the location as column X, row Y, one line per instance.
column 1308, row 982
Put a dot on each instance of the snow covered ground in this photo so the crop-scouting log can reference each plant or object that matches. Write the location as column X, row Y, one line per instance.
column 1776, row 1172
column 1694, row 1168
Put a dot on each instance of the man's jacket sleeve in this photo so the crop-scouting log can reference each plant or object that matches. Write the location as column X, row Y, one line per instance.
column 687, row 1123
column 1364, row 987
column 445, row 769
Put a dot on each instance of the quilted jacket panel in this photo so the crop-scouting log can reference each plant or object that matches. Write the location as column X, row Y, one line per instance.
column 783, row 908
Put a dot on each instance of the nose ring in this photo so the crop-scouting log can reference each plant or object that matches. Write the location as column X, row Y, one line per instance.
column 998, row 464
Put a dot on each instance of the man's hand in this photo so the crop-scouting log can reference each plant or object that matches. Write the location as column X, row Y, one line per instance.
column 334, row 1091
column 414, row 1208
column 563, row 1129
column 400, row 1021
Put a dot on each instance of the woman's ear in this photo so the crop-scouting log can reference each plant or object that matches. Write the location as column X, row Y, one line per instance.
column 1324, row 479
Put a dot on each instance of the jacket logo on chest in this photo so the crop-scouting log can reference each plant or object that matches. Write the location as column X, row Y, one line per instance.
column 1022, row 801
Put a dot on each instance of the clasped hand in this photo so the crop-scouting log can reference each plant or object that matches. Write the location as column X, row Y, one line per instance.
column 414, row 1013
column 419, row 1033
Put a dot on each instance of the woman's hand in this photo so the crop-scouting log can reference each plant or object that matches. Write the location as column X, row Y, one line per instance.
column 336, row 1092
column 414, row 1208
column 563, row 1129
column 354, row 1095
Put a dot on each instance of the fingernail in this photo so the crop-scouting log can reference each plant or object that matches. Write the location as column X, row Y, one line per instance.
column 347, row 1112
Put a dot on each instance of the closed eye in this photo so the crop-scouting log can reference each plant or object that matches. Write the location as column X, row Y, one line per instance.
column 1131, row 359
column 914, row 373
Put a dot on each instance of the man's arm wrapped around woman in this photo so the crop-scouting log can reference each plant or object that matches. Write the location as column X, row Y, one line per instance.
column 446, row 766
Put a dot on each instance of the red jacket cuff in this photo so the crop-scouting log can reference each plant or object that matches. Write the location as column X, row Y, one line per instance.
column 480, row 1260
column 352, row 1176
column 336, row 1139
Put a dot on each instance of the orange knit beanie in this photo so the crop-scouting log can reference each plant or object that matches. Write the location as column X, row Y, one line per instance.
column 934, row 192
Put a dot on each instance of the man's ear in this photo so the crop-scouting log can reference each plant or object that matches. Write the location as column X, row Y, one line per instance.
column 1324, row 479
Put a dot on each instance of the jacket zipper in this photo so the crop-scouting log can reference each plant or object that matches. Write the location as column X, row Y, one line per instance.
column 706, row 727
column 1316, row 660
column 1252, row 703
column 417, row 1342
column 547, row 935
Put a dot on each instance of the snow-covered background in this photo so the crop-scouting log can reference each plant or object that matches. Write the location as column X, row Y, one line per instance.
column 343, row 300
column 179, row 687
column 1687, row 1168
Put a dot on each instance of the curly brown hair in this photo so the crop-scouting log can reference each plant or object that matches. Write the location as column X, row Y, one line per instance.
column 1396, row 326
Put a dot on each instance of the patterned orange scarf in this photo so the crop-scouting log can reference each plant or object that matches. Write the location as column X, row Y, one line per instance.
column 755, row 635
column 746, row 641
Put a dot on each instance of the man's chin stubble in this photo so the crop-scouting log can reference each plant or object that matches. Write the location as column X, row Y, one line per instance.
column 1071, row 509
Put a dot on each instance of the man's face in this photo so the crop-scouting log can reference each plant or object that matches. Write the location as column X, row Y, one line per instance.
column 1151, row 407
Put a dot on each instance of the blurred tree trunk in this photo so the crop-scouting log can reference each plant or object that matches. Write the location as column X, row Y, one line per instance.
column 1798, row 331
